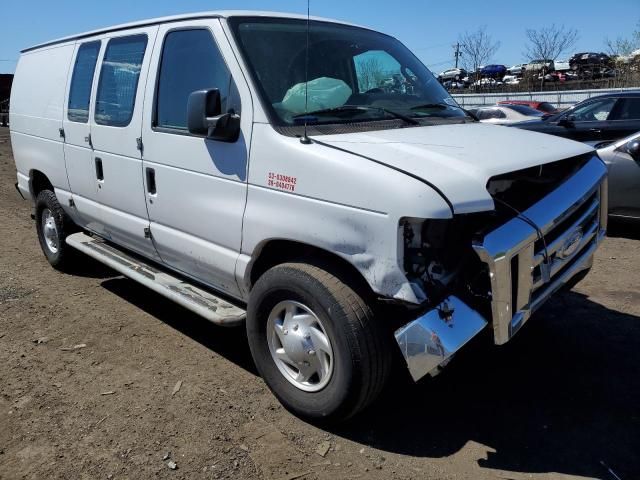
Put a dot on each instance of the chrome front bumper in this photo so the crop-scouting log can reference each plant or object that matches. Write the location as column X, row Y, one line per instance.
column 572, row 220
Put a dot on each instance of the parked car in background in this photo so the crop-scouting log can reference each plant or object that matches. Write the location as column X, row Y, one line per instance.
column 553, row 77
column 511, row 80
column 485, row 83
column 516, row 69
column 536, row 65
column 589, row 61
column 544, row 107
column 603, row 118
column 561, row 65
column 623, row 161
column 453, row 85
column 452, row 74
column 504, row 114
column 493, row 71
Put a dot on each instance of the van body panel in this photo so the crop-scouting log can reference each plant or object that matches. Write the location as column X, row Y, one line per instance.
column 201, row 184
column 120, row 193
column 36, row 112
column 78, row 154
column 336, row 201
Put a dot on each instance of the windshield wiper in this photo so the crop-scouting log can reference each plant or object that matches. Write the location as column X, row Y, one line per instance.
column 356, row 108
column 444, row 106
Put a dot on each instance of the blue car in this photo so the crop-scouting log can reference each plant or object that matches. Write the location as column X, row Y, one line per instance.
column 493, row 71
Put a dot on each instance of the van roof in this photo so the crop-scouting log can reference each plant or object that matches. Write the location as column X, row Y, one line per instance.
column 178, row 18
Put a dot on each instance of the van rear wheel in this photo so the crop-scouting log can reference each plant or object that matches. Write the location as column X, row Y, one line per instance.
column 316, row 343
column 53, row 225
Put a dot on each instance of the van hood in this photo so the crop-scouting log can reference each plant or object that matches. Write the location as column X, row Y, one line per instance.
column 458, row 159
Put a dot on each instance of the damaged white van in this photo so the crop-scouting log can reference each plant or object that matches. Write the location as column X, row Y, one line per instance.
column 309, row 178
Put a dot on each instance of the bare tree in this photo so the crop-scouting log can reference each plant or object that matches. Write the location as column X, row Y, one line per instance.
column 548, row 43
column 621, row 49
column 624, row 46
column 370, row 74
column 477, row 48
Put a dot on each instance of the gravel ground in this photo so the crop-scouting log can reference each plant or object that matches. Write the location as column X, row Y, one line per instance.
column 101, row 378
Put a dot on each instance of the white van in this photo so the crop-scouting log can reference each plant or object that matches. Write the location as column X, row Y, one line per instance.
column 310, row 177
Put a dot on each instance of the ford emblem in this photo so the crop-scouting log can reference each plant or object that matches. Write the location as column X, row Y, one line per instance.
column 571, row 244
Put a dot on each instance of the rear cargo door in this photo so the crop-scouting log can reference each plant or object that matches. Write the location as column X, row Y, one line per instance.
column 77, row 133
column 116, row 138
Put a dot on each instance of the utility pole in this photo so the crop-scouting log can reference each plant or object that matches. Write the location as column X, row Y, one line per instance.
column 457, row 52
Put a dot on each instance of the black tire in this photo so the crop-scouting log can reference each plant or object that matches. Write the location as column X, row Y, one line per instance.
column 361, row 348
column 64, row 256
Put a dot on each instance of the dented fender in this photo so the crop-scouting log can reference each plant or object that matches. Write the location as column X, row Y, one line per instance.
column 332, row 200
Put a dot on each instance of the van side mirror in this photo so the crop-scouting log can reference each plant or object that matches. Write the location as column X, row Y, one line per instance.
column 205, row 117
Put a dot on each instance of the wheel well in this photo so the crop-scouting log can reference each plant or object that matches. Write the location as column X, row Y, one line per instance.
column 276, row 252
column 38, row 182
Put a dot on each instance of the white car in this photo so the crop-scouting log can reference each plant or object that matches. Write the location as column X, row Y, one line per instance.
column 337, row 218
column 536, row 65
column 622, row 157
column 517, row 69
column 511, row 80
column 504, row 114
column 452, row 74
column 485, row 82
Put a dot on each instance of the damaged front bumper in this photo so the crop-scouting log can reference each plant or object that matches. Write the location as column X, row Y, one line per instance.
column 429, row 341
column 526, row 266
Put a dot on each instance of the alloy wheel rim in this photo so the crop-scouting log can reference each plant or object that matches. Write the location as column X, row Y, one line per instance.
column 299, row 345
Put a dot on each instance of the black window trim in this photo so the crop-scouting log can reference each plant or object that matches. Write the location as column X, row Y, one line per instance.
column 154, row 110
column 135, row 94
column 93, row 77
column 593, row 100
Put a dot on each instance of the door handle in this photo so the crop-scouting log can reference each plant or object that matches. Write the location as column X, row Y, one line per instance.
column 151, row 180
column 595, row 130
column 99, row 170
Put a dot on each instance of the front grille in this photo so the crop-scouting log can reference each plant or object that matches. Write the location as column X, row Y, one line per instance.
column 525, row 268
column 583, row 224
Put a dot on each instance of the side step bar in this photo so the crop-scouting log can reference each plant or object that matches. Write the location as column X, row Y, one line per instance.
column 194, row 298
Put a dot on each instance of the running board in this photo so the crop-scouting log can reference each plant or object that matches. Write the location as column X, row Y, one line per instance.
column 194, row 298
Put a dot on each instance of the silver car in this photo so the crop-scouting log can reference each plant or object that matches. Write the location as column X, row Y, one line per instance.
column 623, row 160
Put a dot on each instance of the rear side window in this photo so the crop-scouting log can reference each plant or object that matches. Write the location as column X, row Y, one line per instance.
column 190, row 61
column 81, row 81
column 630, row 109
column 118, row 83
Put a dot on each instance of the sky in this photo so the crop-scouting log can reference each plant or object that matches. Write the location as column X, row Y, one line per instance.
column 428, row 27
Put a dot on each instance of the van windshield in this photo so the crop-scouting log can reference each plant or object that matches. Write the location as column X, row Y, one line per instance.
column 351, row 74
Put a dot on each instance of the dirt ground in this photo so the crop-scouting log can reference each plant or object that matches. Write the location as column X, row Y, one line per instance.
column 101, row 378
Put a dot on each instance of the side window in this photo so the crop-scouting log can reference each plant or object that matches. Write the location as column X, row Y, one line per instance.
column 118, row 83
column 595, row 111
column 629, row 110
column 498, row 114
column 81, row 81
column 190, row 61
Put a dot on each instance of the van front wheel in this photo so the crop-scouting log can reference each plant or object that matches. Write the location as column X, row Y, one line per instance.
column 53, row 226
column 315, row 342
